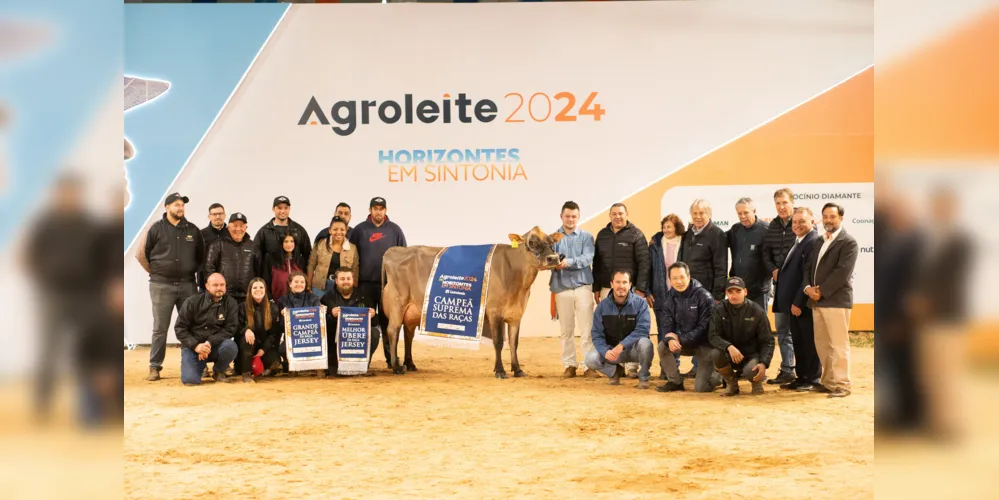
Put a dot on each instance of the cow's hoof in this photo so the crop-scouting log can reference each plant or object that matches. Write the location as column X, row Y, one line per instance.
column 411, row 367
column 519, row 373
column 501, row 375
column 399, row 370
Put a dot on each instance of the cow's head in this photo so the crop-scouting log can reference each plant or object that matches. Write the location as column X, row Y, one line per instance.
column 540, row 245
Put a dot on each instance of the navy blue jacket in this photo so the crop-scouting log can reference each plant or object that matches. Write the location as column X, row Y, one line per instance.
column 792, row 273
column 625, row 325
column 746, row 245
column 687, row 314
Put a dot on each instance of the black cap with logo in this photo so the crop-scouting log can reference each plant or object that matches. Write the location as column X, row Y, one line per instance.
column 172, row 197
column 377, row 201
column 282, row 200
column 238, row 216
column 735, row 282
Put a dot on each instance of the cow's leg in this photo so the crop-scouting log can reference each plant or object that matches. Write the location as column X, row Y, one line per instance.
column 514, row 331
column 391, row 334
column 496, row 329
column 410, row 332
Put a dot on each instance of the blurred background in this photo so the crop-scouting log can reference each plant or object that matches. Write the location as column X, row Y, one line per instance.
column 62, row 187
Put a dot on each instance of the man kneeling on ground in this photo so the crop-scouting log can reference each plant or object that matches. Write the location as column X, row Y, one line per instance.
column 683, row 330
column 622, row 319
column 346, row 295
column 741, row 337
column 205, row 328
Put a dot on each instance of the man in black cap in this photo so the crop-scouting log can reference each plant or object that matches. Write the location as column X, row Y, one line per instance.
column 373, row 238
column 172, row 253
column 741, row 337
column 270, row 236
column 233, row 256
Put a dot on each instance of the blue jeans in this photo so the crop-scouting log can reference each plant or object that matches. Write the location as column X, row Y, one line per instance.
column 640, row 353
column 318, row 292
column 782, row 321
column 191, row 367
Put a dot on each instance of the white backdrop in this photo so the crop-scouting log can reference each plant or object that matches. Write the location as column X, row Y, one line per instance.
column 675, row 79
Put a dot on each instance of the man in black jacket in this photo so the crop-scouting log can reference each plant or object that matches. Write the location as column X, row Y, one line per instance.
column 780, row 238
column 346, row 295
column 233, row 256
column 373, row 238
column 621, row 246
column 790, row 299
column 683, row 329
column 205, row 328
column 343, row 212
column 270, row 236
column 705, row 249
column 745, row 240
column 212, row 232
column 172, row 252
column 742, row 340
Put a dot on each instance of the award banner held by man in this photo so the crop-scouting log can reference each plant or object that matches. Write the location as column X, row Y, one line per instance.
column 353, row 340
column 305, row 338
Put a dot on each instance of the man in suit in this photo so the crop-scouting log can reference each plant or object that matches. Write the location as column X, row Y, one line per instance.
column 790, row 299
column 828, row 283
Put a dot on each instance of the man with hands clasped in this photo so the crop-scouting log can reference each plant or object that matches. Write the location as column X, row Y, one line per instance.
column 741, row 337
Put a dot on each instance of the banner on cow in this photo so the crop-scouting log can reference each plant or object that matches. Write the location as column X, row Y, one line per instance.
column 353, row 340
column 305, row 338
column 455, row 305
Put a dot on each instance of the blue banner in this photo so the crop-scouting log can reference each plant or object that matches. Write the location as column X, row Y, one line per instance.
column 353, row 340
column 305, row 338
column 454, row 305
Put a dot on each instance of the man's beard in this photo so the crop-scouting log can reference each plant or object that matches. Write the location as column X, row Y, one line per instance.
column 345, row 291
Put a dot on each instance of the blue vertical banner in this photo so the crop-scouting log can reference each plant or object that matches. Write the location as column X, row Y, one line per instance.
column 454, row 307
column 305, row 338
column 353, row 340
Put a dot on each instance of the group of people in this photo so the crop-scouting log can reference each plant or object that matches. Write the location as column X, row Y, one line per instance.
column 609, row 287
column 230, row 290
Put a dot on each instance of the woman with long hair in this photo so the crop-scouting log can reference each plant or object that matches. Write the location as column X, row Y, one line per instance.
column 283, row 265
column 329, row 255
column 261, row 332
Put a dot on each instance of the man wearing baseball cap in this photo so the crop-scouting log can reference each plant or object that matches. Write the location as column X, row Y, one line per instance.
column 741, row 337
column 172, row 252
column 373, row 238
column 233, row 257
column 271, row 235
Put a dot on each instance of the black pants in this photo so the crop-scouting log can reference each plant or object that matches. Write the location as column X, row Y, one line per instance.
column 333, row 362
column 247, row 351
column 372, row 292
column 807, row 367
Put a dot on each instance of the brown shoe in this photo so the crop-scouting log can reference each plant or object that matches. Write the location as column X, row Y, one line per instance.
column 618, row 373
column 154, row 375
column 220, row 377
column 839, row 393
column 247, row 378
column 570, row 372
column 642, row 384
column 588, row 373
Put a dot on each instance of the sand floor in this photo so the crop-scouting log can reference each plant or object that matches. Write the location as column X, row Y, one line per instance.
column 452, row 429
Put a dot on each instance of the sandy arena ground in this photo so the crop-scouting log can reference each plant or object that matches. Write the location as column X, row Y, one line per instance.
column 452, row 429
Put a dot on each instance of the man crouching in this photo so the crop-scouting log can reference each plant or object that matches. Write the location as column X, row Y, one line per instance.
column 741, row 337
column 205, row 328
column 621, row 320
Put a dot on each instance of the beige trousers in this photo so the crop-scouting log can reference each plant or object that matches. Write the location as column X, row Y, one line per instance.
column 832, row 344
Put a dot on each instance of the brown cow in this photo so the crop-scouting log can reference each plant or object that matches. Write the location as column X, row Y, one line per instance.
column 405, row 272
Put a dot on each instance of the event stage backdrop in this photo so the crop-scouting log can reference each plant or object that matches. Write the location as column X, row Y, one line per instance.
column 475, row 121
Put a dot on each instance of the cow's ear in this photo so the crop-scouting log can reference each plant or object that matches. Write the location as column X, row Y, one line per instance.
column 515, row 240
column 556, row 236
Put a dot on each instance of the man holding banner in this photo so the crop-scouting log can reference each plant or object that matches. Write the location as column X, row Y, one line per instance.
column 622, row 320
column 346, row 308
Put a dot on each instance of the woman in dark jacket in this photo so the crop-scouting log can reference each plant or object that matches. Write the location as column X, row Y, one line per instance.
column 298, row 296
column 664, row 250
column 262, row 332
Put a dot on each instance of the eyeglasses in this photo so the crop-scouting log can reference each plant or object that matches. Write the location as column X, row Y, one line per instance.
column 217, row 214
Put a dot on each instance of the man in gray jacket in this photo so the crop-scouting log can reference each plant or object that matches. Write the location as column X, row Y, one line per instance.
column 828, row 283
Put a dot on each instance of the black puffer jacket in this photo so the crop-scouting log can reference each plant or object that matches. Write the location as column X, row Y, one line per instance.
column 174, row 253
column 202, row 319
column 778, row 242
column 236, row 262
column 746, row 327
column 625, row 250
column 707, row 256
column 686, row 314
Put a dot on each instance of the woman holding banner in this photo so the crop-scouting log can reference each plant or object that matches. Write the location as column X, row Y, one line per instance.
column 261, row 332
column 328, row 256
column 298, row 296
column 283, row 265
